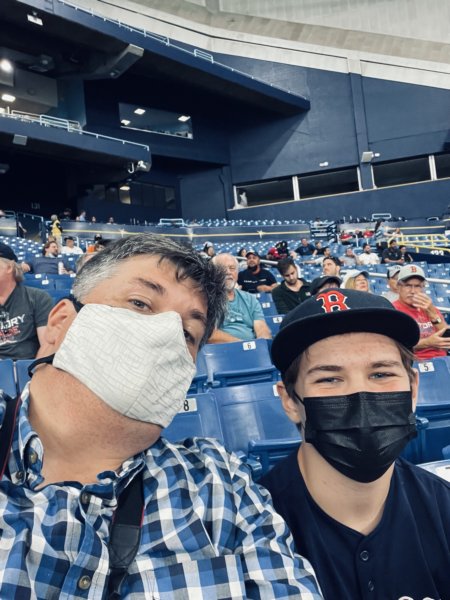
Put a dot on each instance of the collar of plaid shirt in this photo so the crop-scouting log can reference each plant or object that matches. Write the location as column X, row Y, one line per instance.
column 208, row 531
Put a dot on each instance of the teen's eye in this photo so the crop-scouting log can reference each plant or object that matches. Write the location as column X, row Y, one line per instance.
column 189, row 337
column 382, row 375
column 327, row 380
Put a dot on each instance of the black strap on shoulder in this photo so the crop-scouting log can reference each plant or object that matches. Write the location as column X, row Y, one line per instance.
column 125, row 534
column 7, row 430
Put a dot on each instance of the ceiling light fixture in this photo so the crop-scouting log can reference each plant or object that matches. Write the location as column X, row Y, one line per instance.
column 184, row 118
column 8, row 98
column 139, row 111
column 125, row 122
column 125, row 188
column 6, row 65
column 33, row 18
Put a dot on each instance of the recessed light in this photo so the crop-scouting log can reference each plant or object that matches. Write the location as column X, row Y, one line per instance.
column 183, row 118
column 8, row 98
column 125, row 122
column 33, row 18
column 6, row 65
column 125, row 188
column 139, row 111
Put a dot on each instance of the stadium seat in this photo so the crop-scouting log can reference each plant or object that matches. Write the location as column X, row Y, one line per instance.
column 239, row 363
column 22, row 376
column 199, row 417
column 200, row 378
column 274, row 322
column 7, row 379
column 434, row 405
column 441, row 468
column 254, row 422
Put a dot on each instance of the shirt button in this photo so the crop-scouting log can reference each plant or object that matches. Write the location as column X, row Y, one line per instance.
column 364, row 556
column 85, row 498
column 32, row 457
column 371, row 586
column 84, row 583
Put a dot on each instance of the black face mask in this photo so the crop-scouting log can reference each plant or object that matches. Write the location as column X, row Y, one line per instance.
column 362, row 434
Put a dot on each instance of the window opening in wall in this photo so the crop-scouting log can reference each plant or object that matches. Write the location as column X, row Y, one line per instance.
column 265, row 192
column 143, row 118
column 328, row 183
column 158, row 197
column 399, row 172
column 442, row 162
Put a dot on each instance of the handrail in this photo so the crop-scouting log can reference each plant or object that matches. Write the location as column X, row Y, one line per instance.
column 46, row 121
column 196, row 53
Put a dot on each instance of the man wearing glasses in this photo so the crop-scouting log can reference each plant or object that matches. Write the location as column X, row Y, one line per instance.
column 413, row 301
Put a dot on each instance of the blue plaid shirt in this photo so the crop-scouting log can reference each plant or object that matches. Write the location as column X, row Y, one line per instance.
column 208, row 531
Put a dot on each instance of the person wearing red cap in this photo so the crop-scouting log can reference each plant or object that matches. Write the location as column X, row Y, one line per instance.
column 417, row 304
column 372, row 524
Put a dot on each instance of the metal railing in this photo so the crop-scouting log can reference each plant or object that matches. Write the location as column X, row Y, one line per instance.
column 196, row 53
column 66, row 124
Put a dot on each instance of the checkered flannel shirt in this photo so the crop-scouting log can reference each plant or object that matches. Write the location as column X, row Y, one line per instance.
column 208, row 532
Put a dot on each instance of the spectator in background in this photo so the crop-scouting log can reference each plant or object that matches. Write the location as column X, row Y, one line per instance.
column 367, row 257
column 392, row 254
column 413, row 301
column 2, row 214
column 82, row 216
column 319, row 284
column 208, row 250
column 244, row 317
column 254, row 278
column 48, row 263
column 356, row 280
column 93, row 219
column 392, row 275
column 111, row 221
column 304, row 249
column 23, row 311
column 67, row 214
column 372, row 524
column 407, row 258
column 292, row 291
column 349, row 259
column 70, row 249
column 56, row 229
column 318, row 249
column 242, row 252
column 331, row 266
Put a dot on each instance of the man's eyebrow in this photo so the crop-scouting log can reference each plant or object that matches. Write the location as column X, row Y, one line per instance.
column 321, row 368
column 199, row 316
column 156, row 287
column 386, row 363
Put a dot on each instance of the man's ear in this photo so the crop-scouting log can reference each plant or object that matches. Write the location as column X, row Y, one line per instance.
column 291, row 407
column 59, row 321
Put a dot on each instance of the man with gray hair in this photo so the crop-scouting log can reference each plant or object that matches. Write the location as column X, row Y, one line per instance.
column 108, row 507
column 244, row 318
column 23, row 311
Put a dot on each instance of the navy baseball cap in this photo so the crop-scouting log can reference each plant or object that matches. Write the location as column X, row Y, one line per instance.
column 7, row 252
column 337, row 311
column 318, row 282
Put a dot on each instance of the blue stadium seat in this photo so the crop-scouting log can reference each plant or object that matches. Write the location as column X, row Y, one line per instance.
column 43, row 284
column 199, row 417
column 201, row 376
column 274, row 322
column 239, row 363
column 22, row 376
column 433, row 405
column 254, row 422
column 7, row 379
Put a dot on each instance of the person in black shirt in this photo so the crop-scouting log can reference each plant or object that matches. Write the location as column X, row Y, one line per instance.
column 392, row 254
column 254, row 279
column 371, row 524
column 293, row 290
column 305, row 248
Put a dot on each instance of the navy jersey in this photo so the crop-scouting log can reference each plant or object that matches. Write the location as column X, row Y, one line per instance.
column 407, row 556
column 250, row 281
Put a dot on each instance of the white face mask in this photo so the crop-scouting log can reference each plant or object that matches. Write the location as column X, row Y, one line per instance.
column 138, row 364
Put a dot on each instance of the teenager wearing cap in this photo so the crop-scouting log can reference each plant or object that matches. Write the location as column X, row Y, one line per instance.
column 254, row 278
column 324, row 283
column 413, row 301
column 392, row 276
column 372, row 524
